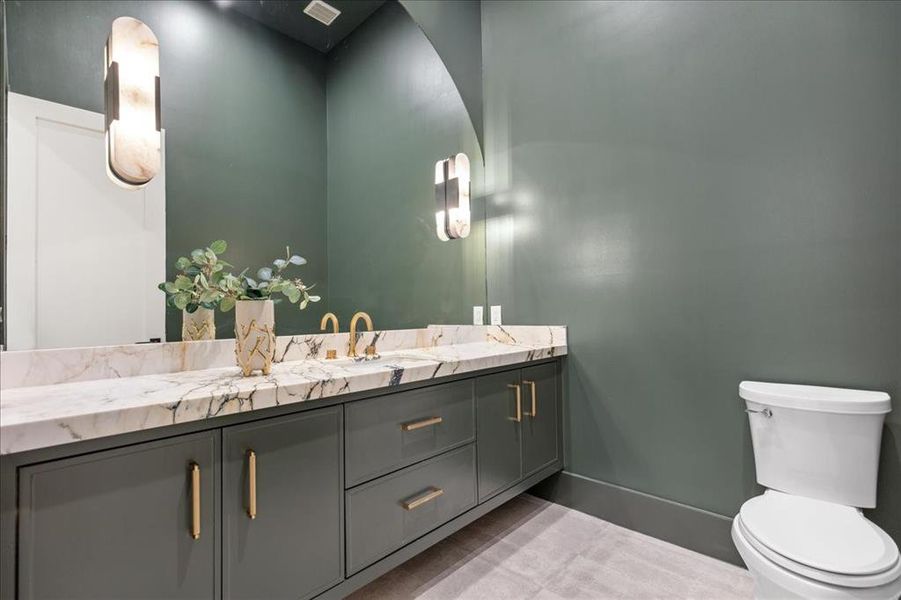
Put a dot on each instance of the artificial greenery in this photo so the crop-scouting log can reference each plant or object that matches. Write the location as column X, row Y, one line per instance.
column 203, row 282
column 272, row 280
column 199, row 281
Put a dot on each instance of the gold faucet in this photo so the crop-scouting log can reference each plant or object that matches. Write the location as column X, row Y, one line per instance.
column 352, row 345
column 331, row 353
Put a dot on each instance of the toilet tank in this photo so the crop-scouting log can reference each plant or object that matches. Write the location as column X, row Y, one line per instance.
column 817, row 442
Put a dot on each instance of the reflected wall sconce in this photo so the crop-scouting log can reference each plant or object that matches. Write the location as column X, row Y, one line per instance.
column 452, row 189
column 132, row 103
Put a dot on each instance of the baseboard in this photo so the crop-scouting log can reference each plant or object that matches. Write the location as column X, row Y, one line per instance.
column 680, row 524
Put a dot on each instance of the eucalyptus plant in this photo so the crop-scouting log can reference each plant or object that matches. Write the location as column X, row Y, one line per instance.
column 199, row 283
column 270, row 280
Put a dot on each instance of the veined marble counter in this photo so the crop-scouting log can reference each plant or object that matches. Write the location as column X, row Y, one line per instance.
column 40, row 416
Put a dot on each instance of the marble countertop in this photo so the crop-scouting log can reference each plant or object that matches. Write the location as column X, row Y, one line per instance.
column 49, row 415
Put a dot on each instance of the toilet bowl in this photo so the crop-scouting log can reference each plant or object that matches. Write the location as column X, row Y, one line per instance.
column 796, row 547
column 817, row 450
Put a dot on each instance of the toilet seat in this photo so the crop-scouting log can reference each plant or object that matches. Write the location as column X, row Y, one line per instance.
column 819, row 540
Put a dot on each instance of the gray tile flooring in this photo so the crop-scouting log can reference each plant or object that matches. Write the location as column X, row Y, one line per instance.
column 533, row 549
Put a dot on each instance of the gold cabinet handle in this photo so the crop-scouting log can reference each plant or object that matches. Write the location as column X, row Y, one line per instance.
column 427, row 497
column 195, row 501
column 534, row 412
column 251, row 484
column 518, row 388
column 420, row 424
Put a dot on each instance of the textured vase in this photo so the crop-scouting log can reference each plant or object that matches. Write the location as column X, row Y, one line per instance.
column 198, row 325
column 254, row 335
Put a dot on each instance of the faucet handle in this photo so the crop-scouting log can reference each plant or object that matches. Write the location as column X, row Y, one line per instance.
column 370, row 352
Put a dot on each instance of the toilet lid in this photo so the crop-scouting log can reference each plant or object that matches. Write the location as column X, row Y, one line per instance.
column 822, row 535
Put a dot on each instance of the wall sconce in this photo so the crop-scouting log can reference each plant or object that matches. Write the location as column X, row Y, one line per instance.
column 132, row 93
column 452, row 188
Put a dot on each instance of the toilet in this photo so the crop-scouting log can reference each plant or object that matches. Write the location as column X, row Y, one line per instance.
column 817, row 453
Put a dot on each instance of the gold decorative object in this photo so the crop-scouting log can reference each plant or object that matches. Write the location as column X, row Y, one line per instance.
column 254, row 336
column 198, row 325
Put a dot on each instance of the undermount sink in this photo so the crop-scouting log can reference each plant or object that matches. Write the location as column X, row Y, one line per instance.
column 380, row 360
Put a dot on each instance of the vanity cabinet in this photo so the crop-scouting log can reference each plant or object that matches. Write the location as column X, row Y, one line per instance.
column 292, row 503
column 138, row 521
column 281, row 506
column 518, row 419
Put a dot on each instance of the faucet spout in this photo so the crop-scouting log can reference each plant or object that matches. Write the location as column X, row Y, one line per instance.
column 329, row 318
column 352, row 343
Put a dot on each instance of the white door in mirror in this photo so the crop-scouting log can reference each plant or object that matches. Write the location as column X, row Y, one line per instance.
column 92, row 233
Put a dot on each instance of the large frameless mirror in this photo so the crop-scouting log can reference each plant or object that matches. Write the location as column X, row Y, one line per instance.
column 304, row 135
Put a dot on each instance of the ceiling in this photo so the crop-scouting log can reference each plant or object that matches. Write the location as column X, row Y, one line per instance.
column 287, row 17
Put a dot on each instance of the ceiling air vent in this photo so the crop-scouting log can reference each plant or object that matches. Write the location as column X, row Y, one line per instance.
column 322, row 12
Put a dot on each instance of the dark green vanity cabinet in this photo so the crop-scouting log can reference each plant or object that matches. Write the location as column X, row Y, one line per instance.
column 133, row 522
column 519, row 419
column 281, row 509
column 299, row 501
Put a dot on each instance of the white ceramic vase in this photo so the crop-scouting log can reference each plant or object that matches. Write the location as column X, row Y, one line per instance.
column 198, row 325
column 254, row 335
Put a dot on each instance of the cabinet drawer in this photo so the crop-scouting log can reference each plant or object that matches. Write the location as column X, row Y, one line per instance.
column 390, row 432
column 387, row 513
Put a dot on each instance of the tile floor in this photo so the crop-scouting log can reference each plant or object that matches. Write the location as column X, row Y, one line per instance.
column 533, row 549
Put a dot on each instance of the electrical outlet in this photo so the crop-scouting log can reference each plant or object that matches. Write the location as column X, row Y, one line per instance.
column 496, row 315
column 478, row 316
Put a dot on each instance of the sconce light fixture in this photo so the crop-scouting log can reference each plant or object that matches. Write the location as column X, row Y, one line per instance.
column 452, row 188
column 132, row 94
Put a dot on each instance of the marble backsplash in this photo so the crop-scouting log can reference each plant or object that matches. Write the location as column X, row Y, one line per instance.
column 27, row 368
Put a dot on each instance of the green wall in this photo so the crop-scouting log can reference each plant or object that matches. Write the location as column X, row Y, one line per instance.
column 455, row 29
column 244, row 113
column 393, row 111
column 704, row 193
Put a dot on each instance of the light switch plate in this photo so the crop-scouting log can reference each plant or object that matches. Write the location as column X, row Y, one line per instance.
column 478, row 315
column 496, row 315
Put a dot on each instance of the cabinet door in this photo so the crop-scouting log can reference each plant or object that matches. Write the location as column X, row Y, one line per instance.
column 498, row 432
column 282, row 519
column 540, row 424
column 134, row 522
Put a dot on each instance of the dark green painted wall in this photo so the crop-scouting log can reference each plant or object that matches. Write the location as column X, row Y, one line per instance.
column 244, row 113
column 704, row 193
column 455, row 29
column 393, row 111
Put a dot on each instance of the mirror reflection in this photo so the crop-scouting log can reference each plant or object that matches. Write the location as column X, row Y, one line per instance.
column 269, row 153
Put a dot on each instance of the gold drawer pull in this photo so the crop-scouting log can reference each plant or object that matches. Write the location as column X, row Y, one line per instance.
column 534, row 412
column 420, row 424
column 195, row 501
column 427, row 497
column 518, row 388
column 251, row 484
